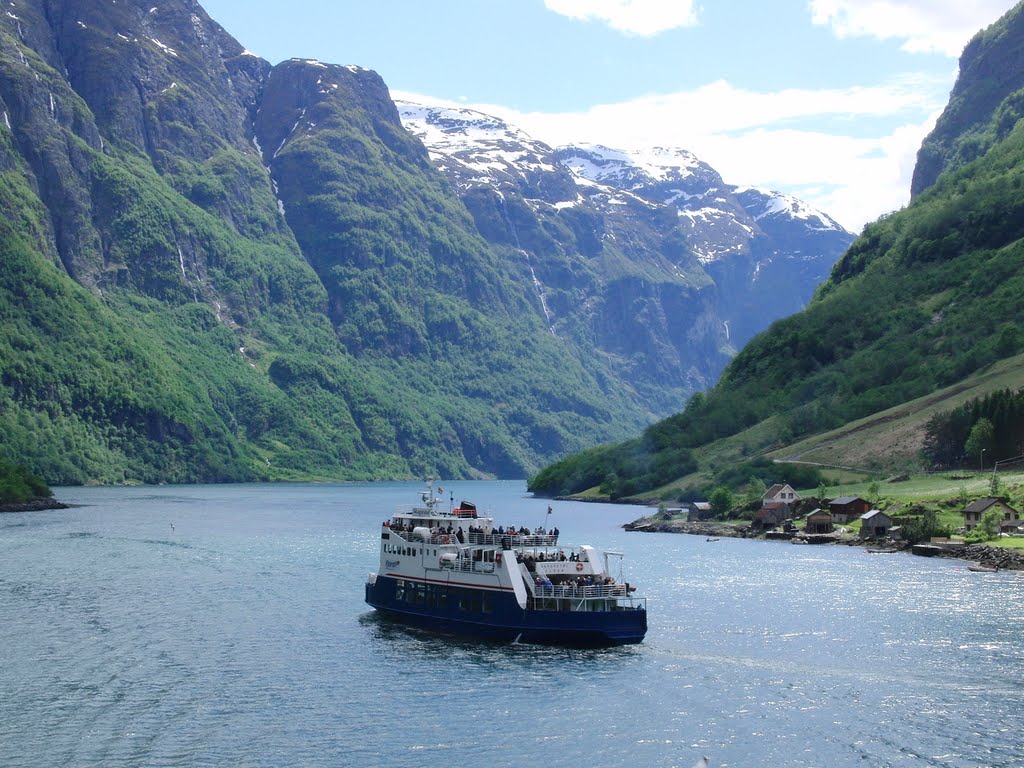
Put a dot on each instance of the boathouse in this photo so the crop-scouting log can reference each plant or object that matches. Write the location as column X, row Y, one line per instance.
column 875, row 524
column 698, row 510
column 819, row 521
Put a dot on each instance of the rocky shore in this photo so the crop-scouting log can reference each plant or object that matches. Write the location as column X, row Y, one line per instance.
column 702, row 528
column 992, row 557
column 35, row 505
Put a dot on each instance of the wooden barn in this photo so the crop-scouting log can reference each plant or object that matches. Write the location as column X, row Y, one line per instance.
column 875, row 524
column 819, row 521
column 847, row 508
column 770, row 515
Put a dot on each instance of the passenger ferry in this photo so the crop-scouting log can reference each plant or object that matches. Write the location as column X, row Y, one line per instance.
column 449, row 569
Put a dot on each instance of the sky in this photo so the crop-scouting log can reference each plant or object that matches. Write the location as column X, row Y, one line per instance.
column 827, row 100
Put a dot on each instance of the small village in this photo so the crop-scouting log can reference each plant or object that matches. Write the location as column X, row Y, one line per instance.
column 783, row 515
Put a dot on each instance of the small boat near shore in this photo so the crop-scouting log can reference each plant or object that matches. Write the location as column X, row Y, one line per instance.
column 978, row 568
column 881, row 551
column 450, row 569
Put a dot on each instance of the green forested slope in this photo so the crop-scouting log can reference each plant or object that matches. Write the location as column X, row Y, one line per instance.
column 214, row 269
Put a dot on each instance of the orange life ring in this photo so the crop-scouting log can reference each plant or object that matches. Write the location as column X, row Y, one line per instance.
column 445, row 539
column 579, row 566
column 497, row 558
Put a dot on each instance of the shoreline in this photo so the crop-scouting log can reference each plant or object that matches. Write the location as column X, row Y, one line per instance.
column 994, row 557
column 35, row 505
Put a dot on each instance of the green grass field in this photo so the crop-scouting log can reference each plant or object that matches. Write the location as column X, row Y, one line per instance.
column 956, row 486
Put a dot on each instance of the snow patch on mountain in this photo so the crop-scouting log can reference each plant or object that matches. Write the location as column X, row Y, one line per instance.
column 629, row 169
column 485, row 148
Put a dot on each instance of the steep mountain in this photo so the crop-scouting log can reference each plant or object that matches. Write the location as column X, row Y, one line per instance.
column 215, row 269
column 985, row 104
column 924, row 299
column 610, row 271
column 764, row 252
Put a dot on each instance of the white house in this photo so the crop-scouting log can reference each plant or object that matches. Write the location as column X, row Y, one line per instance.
column 779, row 493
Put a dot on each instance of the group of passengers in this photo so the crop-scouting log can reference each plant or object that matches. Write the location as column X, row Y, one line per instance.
column 439, row 530
column 507, row 537
column 548, row 557
column 436, row 531
column 524, row 531
column 542, row 580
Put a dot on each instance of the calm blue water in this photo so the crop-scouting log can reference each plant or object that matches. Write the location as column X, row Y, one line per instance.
column 225, row 626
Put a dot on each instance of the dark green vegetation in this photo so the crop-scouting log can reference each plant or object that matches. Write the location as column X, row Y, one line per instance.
column 992, row 425
column 923, row 300
column 18, row 485
column 212, row 269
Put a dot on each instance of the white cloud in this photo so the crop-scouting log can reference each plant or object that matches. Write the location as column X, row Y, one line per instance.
column 942, row 26
column 644, row 18
column 810, row 143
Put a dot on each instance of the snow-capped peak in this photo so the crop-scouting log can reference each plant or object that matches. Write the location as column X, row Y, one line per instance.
column 455, row 127
column 764, row 203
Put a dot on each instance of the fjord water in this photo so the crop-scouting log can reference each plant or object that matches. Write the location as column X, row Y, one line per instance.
column 225, row 626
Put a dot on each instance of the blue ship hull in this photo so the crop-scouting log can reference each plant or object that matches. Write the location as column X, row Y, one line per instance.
column 496, row 616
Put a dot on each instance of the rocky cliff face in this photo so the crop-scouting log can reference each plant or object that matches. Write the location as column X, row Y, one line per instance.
column 985, row 104
column 765, row 251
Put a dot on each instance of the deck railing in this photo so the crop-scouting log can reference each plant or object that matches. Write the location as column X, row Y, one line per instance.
column 505, row 541
column 614, row 597
column 514, row 540
column 589, row 592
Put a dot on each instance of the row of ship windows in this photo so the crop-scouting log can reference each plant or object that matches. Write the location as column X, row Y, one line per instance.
column 394, row 549
column 443, row 596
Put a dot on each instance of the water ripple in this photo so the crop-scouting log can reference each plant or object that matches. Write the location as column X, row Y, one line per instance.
column 239, row 638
